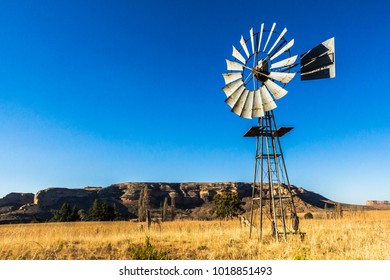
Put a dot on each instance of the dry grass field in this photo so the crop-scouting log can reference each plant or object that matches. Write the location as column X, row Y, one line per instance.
column 359, row 235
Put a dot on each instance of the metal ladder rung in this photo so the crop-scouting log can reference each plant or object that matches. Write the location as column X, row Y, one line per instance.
column 275, row 197
column 268, row 155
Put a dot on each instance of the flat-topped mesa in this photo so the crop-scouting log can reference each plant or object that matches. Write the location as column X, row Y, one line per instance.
column 378, row 203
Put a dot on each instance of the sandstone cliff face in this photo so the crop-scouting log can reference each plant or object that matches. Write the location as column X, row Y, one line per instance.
column 185, row 195
column 53, row 198
column 192, row 200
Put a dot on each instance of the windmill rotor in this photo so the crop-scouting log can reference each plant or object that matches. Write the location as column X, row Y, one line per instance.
column 258, row 73
column 262, row 65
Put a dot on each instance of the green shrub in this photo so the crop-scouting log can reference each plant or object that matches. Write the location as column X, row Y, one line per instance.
column 308, row 216
column 228, row 204
column 148, row 252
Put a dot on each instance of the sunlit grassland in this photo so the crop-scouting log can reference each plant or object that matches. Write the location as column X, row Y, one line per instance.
column 359, row 235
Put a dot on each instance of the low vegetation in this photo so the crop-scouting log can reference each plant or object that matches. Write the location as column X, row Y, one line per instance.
column 358, row 235
column 308, row 216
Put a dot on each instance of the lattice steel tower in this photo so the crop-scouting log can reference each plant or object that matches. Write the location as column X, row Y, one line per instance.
column 271, row 190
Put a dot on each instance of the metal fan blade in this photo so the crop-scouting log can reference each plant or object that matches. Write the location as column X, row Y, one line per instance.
column 276, row 90
column 231, row 77
column 236, row 54
column 247, row 111
column 285, row 62
column 277, row 40
column 269, row 36
column 232, row 99
column 232, row 87
column 252, row 40
column 239, row 106
column 281, row 77
column 282, row 50
column 232, row 65
column 244, row 47
column 257, row 109
column 260, row 37
column 267, row 101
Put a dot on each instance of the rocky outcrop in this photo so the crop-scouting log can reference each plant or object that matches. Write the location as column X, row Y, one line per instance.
column 193, row 200
column 185, row 195
column 13, row 201
column 17, row 199
column 53, row 198
column 378, row 204
column 312, row 198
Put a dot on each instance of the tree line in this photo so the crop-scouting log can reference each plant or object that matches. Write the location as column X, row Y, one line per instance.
column 99, row 211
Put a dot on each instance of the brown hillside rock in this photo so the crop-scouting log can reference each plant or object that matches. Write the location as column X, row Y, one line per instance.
column 25, row 214
column 191, row 200
column 16, row 199
column 186, row 195
column 53, row 198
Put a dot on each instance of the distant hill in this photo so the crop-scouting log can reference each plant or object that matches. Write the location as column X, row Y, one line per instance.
column 191, row 200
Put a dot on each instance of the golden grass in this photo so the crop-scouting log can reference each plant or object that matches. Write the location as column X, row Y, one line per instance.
column 359, row 235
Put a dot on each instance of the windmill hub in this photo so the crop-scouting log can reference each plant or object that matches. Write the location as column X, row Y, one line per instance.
column 261, row 71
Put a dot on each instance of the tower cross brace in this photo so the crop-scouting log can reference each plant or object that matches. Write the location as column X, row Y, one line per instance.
column 272, row 196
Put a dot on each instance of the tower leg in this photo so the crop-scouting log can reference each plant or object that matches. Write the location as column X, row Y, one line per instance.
column 272, row 196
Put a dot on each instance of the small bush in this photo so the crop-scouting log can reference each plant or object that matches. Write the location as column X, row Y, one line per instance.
column 148, row 252
column 301, row 253
column 308, row 216
column 229, row 205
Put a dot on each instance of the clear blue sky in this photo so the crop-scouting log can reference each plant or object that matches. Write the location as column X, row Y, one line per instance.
column 100, row 92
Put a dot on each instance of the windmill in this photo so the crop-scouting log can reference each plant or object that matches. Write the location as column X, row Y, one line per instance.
column 261, row 68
